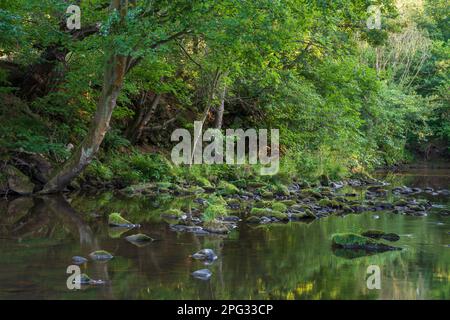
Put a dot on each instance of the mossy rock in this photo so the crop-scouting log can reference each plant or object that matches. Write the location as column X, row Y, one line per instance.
column 330, row 204
column 216, row 226
column 226, row 188
column 203, row 182
column 263, row 204
column 355, row 241
column 281, row 189
column 265, row 212
column 267, row 195
column 101, row 255
column 17, row 181
column 311, row 193
column 278, row 206
column 288, row 202
column 116, row 220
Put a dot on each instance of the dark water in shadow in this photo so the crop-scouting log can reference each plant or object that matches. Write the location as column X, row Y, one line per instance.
column 39, row 236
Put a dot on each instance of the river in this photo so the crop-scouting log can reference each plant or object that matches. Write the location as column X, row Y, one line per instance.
column 39, row 236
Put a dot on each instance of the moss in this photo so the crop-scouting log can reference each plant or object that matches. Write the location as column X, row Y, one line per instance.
column 241, row 183
column 226, row 188
column 116, row 220
column 174, row 212
column 263, row 204
column 278, row 206
column 330, row 203
column 281, row 189
column 216, row 208
column 195, row 190
column 260, row 212
column 203, row 182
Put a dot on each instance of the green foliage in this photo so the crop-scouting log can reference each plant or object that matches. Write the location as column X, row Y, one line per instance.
column 216, row 208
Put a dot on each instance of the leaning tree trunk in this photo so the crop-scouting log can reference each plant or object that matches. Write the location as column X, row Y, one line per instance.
column 113, row 81
column 143, row 119
column 115, row 70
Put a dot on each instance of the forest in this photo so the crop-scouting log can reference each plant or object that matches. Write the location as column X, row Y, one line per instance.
column 346, row 98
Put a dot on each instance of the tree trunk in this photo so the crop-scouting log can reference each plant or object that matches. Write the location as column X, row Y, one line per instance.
column 143, row 119
column 115, row 70
column 220, row 110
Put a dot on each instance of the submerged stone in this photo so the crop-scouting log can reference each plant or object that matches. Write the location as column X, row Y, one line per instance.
column 101, row 255
column 79, row 260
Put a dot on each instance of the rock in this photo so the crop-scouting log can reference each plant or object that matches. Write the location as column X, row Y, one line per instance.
column 84, row 279
column 267, row 195
column 355, row 241
column 101, row 255
column 216, row 227
column 205, row 254
column 17, row 181
column 278, row 206
column 139, row 239
column 116, row 220
column 203, row 274
column 79, row 260
column 260, row 212
column 378, row 234
column 231, row 218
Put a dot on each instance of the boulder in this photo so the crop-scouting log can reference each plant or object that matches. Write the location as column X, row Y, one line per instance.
column 17, row 181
